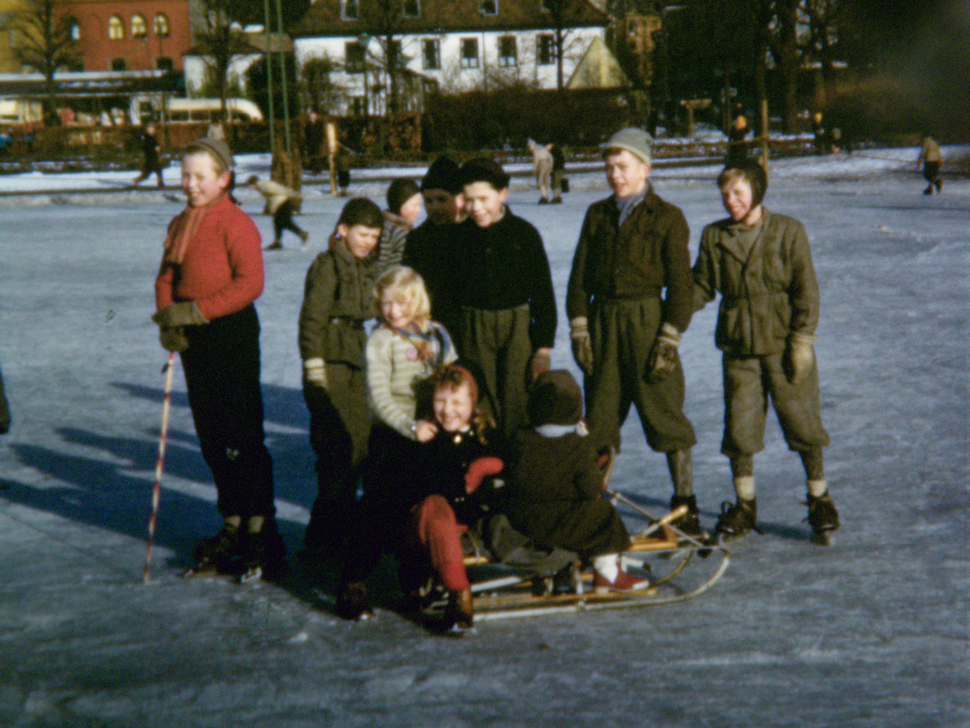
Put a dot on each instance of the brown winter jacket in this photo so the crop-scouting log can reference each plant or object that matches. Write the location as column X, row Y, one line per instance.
column 635, row 261
column 768, row 292
column 338, row 298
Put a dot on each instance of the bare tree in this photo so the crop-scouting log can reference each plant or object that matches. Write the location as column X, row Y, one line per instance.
column 47, row 46
column 563, row 15
column 220, row 40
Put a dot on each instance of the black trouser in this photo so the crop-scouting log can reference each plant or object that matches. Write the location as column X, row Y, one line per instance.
column 222, row 376
column 283, row 220
column 931, row 171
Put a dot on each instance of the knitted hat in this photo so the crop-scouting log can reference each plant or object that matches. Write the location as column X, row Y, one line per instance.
column 399, row 192
column 217, row 148
column 442, row 175
column 484, row 169
column 752, row 171
column 555, row 399
column 636, row 141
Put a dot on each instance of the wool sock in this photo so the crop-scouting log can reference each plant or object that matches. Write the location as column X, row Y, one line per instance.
column 744, row 487
column 607, row 566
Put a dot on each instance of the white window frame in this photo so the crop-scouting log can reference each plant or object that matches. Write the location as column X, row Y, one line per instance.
column 346, row 6
column 488, row 7
column 436, row 43
column 417, row 7
column 466, row 60
column 508, row 61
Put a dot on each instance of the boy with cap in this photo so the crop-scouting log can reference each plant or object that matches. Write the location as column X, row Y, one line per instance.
column 430, row 247
column 508, row 315
column 761, row 264
column 624, row 335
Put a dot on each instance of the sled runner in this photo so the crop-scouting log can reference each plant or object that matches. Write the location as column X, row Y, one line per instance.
column 661, row 551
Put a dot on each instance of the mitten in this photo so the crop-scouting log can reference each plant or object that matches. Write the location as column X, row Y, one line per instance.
column 184, row 313
column 799, row 357
column 481, row 469
column 582, row 346
column 663, row 355
column 541, row 362
column 173, row 338
column 315, row 373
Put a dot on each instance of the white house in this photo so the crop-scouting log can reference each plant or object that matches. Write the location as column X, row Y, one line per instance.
column 454, row 45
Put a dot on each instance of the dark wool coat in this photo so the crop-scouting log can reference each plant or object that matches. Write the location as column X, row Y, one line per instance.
column 634, row 261
column 557, row 496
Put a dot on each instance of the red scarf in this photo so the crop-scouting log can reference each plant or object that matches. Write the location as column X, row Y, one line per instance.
column 182, row 231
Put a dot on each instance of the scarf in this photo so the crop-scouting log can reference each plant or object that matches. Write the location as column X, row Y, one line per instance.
column 182, row 231
column 424, row 344
column 626, row 204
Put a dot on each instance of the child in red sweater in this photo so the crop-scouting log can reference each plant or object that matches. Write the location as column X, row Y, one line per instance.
column 211, row 272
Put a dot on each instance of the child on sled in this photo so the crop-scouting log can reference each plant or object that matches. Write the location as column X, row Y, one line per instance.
column 557, row 487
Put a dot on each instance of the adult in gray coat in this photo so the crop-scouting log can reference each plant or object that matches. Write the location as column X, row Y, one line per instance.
column 761, row 264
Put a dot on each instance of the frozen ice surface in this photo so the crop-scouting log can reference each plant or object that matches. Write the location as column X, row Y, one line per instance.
column 871, row 632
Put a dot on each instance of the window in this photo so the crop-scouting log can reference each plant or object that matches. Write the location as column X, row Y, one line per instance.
column 116, row 27
column 546, row 49
column 164, row 63
column 506, row 51
column 358, row 105
column 548, row 6
column 469, row 52
column 354, row 57
column 161, row 25
column 348, row 9
column 74, row 26
column 431, row 54
column 488, row 7
column 139, row 28
column 393, row 53
column 119, row 64
column 411, row 8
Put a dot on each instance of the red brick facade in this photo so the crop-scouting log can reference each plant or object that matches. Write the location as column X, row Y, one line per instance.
column 130, row 35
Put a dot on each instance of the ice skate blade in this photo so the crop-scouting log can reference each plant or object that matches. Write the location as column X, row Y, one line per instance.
column 825, row 538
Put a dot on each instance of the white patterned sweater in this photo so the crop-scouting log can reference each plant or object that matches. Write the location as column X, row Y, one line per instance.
column 394, row 361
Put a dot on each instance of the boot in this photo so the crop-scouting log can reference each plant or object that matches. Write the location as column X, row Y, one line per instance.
column 681, row 469
column 928, row 190
column 263, row 553
column 822, row 516
column 738, row 519
column 352, row 602
column 939, row 185
column 689, row 523
column 460, row 614
column 216, row 554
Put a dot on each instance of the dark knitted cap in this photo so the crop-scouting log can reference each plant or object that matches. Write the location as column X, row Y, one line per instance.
column 752, row 171
column 442, row 175
column 555, row 399
column 399, row 192
column 483, row 169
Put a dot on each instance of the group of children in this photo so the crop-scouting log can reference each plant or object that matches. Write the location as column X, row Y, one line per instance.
column 447, row 412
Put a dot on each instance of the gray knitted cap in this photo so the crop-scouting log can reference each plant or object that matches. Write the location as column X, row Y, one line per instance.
column 636, row 141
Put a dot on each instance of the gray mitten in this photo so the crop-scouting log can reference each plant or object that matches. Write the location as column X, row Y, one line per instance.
column 799, row 357
column 581, row 343
column 663, row 356
column 173, row 338
column 184, row 313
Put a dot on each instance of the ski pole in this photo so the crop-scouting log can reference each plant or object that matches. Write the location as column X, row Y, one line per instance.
column 157, row 488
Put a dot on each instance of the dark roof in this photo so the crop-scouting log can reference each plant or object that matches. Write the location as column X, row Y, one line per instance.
column 323, row 19
column 246, row 44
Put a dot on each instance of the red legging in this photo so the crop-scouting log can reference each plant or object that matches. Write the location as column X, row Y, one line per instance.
column 434, row 525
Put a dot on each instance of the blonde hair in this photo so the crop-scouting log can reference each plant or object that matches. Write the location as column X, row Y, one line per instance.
column 406, row 285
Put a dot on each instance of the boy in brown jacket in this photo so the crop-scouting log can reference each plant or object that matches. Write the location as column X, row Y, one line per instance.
column 624, row 335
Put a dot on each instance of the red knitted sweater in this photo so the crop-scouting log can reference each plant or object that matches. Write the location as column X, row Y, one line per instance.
column 222, row 270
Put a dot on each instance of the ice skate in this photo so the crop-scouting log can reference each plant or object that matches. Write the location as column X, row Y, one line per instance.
column 460, row 614
column 690, row 523
column 263, row 555
column 352, row 602
column 277, row 245
column 737, row 519
column 216, row 555
column 823, row 518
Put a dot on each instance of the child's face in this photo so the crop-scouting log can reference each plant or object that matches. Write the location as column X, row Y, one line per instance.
column 442, row 206
column 396, row 309
column 485, row 204
column 202, row 182
column 359, row 239
column 737, row 199
column 453, row 407
column 627, row 174
column 411, row 209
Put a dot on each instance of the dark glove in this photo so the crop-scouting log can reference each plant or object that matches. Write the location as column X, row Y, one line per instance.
column 173, row 338
column 799, row 357
column 582, row 345
column 663, row 356
column 185, row 313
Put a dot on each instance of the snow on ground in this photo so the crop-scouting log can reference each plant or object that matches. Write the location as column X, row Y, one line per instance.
column 871, row 632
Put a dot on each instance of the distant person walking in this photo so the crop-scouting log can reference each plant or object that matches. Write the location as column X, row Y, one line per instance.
column 281, row 203
column 558, row 172
column 542, row 163
column 152, row 160
column 737, row 144
column 931, row 158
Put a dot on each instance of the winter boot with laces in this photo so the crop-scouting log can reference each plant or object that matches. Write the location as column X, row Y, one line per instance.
column 217, row 554
column 690, row 522
column 822, row 517
column 460, row 614
column 738, row 519
column 263, row 553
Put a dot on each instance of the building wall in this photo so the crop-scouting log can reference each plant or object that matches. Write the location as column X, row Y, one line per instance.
column 453, row 75
column 9, row 36
column 99, row 50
